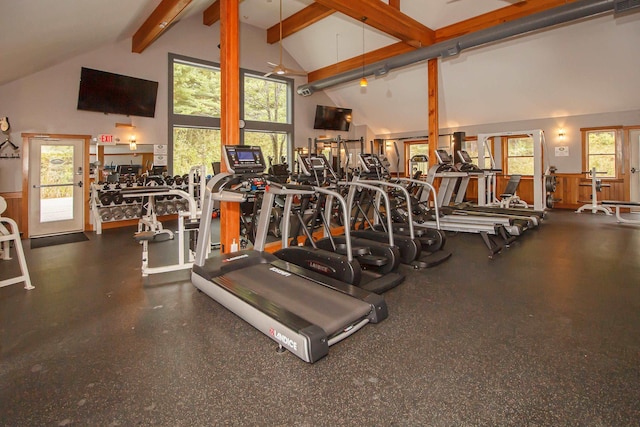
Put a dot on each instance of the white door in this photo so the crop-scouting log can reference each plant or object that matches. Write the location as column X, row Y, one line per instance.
column 634, row 176
column 56, row 204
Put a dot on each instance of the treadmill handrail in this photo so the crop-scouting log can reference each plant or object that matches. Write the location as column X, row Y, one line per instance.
column 291, row 190
column 385, row 196
column 406, row 194
column 432, row 191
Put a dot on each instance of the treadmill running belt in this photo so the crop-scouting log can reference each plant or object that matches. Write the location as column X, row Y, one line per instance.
column 328, row 309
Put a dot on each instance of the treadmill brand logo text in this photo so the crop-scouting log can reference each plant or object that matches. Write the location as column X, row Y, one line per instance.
column 284, row 339
column 280, row 272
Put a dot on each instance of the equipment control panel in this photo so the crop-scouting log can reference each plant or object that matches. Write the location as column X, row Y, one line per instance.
column 241, row 159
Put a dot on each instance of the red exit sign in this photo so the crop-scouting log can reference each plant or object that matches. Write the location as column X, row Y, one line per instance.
column 106, row 139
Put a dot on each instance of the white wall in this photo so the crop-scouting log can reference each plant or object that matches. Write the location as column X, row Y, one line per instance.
column 45, row 102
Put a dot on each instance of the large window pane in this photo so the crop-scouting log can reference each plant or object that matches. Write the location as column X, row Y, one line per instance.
column 416, row 149
column 601, row 146
column 520, row 159
column 471, row 147
column 195, row 147
column 196, row 90
column 265, row 100
column 274, row 145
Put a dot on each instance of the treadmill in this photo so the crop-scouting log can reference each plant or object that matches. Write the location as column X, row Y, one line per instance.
column 467, row 165
column 302, row 311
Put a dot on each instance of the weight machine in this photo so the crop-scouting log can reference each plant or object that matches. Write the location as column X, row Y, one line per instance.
column 487, row 188
column 596, row 187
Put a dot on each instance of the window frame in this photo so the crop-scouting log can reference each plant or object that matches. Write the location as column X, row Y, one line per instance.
column 619, row 163
column 182, row 120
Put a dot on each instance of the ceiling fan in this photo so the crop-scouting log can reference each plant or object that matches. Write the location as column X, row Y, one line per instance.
column 279, row 68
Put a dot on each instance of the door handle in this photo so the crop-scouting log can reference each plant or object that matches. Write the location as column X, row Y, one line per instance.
column 52, row 185
column 634, row 170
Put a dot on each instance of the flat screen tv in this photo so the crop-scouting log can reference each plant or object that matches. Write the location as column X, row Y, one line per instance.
column 106, row 92
column 332, row 118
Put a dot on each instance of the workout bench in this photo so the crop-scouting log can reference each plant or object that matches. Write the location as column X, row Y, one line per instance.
column 617, row 204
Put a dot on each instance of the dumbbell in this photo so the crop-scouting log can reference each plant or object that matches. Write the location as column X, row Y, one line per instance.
column 105, row 214
column 161, row 208
column 118, row 213
column 118, row 198
column 177, row 180
column 105, row 198
column 129, row 212
column 171, row 208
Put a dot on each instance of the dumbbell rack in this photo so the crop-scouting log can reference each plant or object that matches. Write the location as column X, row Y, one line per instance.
column 111, row 203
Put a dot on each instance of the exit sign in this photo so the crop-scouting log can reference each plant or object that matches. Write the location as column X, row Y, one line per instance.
column 106, row 138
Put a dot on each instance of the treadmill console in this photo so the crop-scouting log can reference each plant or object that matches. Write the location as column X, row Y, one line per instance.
column 370, row 163
column 244, row 159
column 443, row 157
column 373, row 164
column 314, row 162
column 464, row 157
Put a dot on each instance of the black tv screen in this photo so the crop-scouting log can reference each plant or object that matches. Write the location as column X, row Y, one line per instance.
column 332, row 118
column 106, row 92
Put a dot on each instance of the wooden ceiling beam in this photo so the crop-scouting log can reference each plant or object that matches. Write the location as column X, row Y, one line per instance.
column 356, row 62
column 496, row 17
column 211, row 15
column 385, row 18
column 480, row 22
column 299, row 20
column 159, row 20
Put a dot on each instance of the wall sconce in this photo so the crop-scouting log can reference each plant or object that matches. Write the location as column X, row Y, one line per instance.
column 561, row 134
column 132, row 143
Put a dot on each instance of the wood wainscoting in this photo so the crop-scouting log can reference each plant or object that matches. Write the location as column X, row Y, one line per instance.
column 572, row 190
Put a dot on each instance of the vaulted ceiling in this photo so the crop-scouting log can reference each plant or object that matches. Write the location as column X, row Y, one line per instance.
column 324, row 36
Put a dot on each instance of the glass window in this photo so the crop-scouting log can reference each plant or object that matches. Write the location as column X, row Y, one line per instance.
column 417, row 149
column 194, row 147
column 519, row 155
column 471, row 147
column 601, row 152
column 196, row 89
column 265, row 100
column 266, row 106
column 273, row 144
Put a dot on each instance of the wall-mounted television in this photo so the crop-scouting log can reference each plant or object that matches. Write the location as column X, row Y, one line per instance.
column 332, row 118
column 106, row 92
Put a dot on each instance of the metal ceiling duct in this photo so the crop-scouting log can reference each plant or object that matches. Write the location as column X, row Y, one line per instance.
column 558, row 15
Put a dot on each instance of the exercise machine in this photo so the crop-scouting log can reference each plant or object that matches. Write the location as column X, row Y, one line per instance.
column 270, row 294
column 542, row 194
column 409, row 243
column 378, row 258
column 596, row 187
